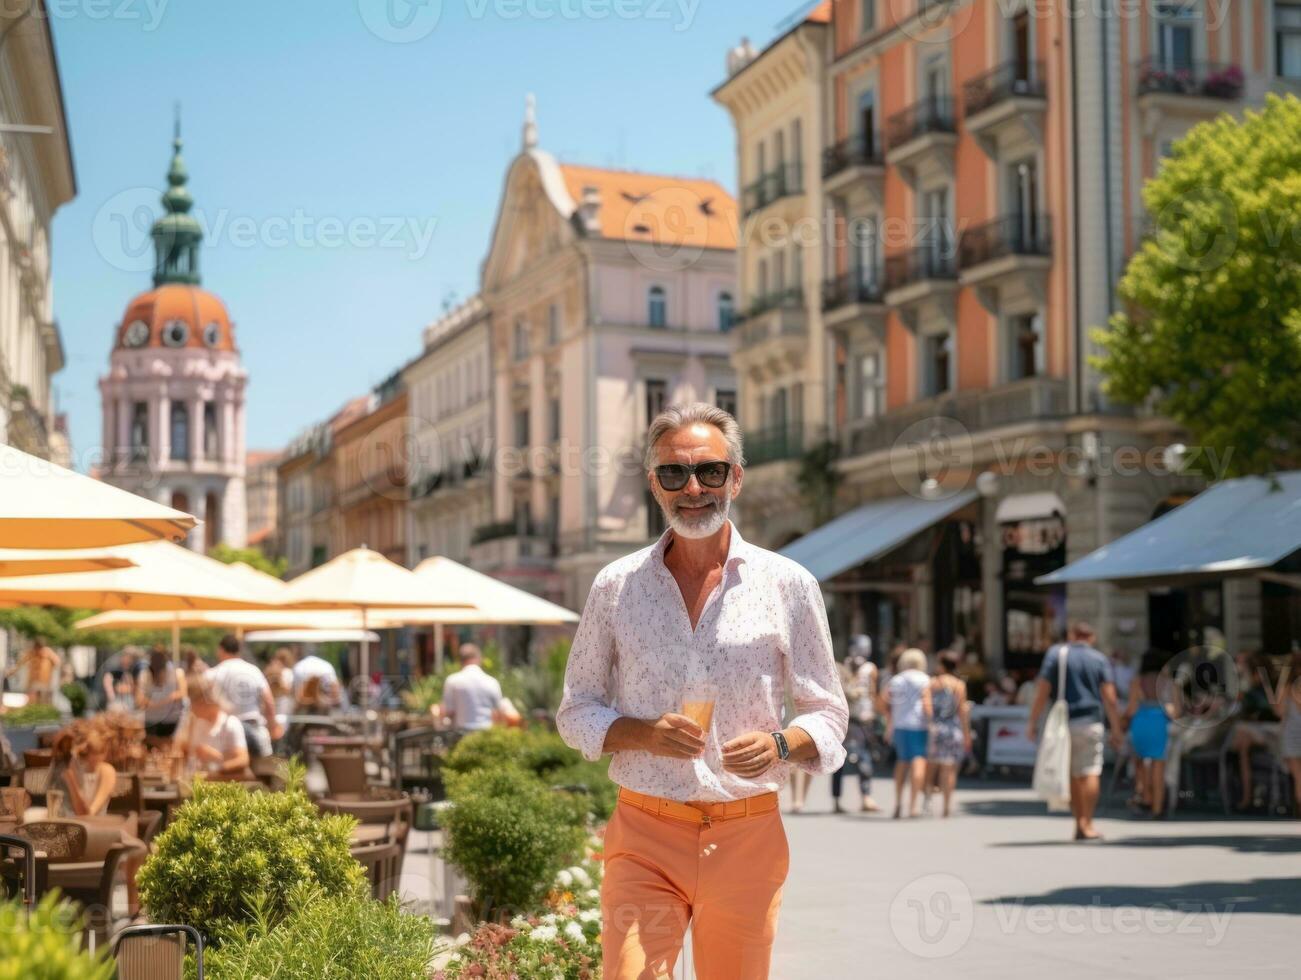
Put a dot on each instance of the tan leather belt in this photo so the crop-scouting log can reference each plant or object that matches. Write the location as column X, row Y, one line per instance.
column 702, row 813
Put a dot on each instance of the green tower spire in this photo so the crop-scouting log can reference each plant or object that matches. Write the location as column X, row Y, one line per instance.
column 177, row 233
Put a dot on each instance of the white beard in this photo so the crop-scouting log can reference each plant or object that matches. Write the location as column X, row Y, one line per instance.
column 708, row 523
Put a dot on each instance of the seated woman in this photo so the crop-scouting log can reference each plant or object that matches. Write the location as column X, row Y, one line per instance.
column 210, row 740
column 80, row 767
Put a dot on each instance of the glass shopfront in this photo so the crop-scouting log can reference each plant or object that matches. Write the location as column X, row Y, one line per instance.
column 1034, row 616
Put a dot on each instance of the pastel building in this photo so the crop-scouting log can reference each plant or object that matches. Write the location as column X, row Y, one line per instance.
column 173, row 398
column 980, row 169
column 611, row 294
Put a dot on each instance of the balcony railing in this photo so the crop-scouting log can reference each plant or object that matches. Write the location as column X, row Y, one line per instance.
column 784, row 299
column 782, row 181
column 510, row 529
column 1015, row 79
column 990, row 408
column 774, row 443
column 1203, row 78
column 757, row 327
column 931, row 115
column 1015, row 234
column 860, row 150
column 847, row 289
column 918, row 265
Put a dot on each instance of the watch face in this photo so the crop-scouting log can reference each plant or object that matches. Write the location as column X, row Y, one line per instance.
column 136, row 334
column 212, row 334
column 175, row 333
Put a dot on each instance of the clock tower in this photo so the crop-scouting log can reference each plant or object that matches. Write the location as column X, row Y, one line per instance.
column 173, row 397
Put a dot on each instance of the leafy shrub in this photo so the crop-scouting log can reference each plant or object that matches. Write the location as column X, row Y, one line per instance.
column 77, row 697
column 30, row 714
column 510, row 835
column 229, row 851
column 602, row 794
column 46, row 946
column 327, row 936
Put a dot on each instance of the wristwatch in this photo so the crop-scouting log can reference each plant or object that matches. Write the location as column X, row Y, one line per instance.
column 783, row 750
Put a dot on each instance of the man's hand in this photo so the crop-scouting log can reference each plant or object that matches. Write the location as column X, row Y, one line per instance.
column 675, row 736
column 207, row 753
column 1032, row 731
column 750, row 755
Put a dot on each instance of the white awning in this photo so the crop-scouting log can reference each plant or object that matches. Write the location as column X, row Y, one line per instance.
column 1233, row 528
column 1028, row 507
column 868, row 531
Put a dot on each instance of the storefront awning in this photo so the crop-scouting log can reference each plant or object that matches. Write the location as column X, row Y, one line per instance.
column 1029, row 507
column 868, row 531
column 1234, row 528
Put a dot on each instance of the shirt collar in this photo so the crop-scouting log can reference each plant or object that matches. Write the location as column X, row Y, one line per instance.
column 736, row 549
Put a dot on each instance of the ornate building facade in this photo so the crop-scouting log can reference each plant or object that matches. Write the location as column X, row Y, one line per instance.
column 173, row 398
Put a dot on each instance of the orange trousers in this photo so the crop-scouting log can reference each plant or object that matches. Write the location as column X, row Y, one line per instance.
column 724, row 878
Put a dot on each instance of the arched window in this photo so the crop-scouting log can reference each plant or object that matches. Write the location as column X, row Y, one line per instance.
column 210, row 439
column 656, row 307
column 180, row 429
column 726, row 312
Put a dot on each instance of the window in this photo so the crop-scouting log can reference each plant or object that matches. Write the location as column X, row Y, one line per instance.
column 725, row 398
column 180, row 430
column 1287, row 40
column 656, row 307
column 937, row 364
column 1025, row 346
column 657, row 396
column 935, row 224
column 863, row 252
column 866, row 15
column 1021, row 46
column 726, row 312
column 553, row 324
column 934, row 82
column 139, row 430
column 521, row 340
column 1024, row 178
column 866, row 121
column 871, row 386
column 553, row 410
column 522, row 428
column 761, row 279
column 1175, row 26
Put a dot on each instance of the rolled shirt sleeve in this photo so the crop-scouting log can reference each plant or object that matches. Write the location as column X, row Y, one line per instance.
column 585, row 714
column 812, row 678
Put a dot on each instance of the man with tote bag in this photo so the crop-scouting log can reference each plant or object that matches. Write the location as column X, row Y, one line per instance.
column 1081, row 681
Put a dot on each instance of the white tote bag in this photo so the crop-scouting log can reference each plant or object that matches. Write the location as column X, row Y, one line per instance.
column 1052, row 766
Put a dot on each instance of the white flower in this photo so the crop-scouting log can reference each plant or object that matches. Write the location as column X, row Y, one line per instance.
column 593, row 893
column 564, row 879
column 575, row 932
column 590, row 915
column 550, row 918
column 519, row 922
column 544, row 934
column 580, row 876
column 462, row 939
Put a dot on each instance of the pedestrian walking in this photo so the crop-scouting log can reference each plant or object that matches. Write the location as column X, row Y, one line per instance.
column 906, row 705
column 859, row 682
column 950, row 733
column 681, row 663
column 247, row 696
column 1090, row 694
column 1147, row 718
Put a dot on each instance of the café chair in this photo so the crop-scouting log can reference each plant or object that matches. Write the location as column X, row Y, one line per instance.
column 156, row 952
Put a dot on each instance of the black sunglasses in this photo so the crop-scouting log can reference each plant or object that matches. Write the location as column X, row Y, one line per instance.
column 674, row 476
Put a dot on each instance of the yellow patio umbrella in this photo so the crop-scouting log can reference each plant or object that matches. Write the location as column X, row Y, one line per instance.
column 238, row 620
column 45, row 561
column 46, row 506
column 496, row 603
column 362, row 580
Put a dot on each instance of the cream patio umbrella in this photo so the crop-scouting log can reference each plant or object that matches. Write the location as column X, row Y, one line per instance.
column 238, row 620
column 363, row 580
column 46, row 561
column 46, row 506
column 496, row 603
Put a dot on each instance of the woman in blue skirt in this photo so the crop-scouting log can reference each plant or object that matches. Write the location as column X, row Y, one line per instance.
column 1148, row 718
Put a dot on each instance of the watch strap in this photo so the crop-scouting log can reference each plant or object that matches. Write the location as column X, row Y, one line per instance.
column 783, row 749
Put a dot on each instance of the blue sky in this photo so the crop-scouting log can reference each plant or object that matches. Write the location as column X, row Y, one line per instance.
column 349, row 180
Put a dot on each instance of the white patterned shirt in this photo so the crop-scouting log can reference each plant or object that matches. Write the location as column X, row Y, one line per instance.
column 762, row 635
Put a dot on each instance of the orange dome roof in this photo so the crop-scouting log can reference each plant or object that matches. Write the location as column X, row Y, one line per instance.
column 176, row 315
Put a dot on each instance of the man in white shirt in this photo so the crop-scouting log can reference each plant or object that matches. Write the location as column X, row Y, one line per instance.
column 683, row 658
column 312, row 667
column 472, row 699
column 246, row 690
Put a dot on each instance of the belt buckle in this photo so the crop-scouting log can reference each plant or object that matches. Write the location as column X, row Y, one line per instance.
column 705, row 819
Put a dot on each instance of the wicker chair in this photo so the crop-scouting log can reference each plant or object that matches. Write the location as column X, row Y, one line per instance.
column 156, row 952
column 383, row 864
column 345, row 772
column 36, row 781
column 18, row 872
column 81, row 857
column 396, row 814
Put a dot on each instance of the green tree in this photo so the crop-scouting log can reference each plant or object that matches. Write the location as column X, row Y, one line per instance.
column 250, row 556
column 818, row 480
column 1211, row 326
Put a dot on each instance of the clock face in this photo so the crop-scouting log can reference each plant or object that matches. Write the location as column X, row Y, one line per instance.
column 136, row 334
column 212, row 334
column 175, row 333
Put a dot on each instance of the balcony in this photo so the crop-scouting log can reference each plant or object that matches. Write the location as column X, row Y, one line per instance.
column 850, row 304
column 507, row 544
column 781, row 442
column 782, row 181
column 921, row 282
column 1006, row 260
column 977, row 411
column 1005, row 107
column 1191, row 92
column 772, row 339
column 854, row 161
column 921, row 139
